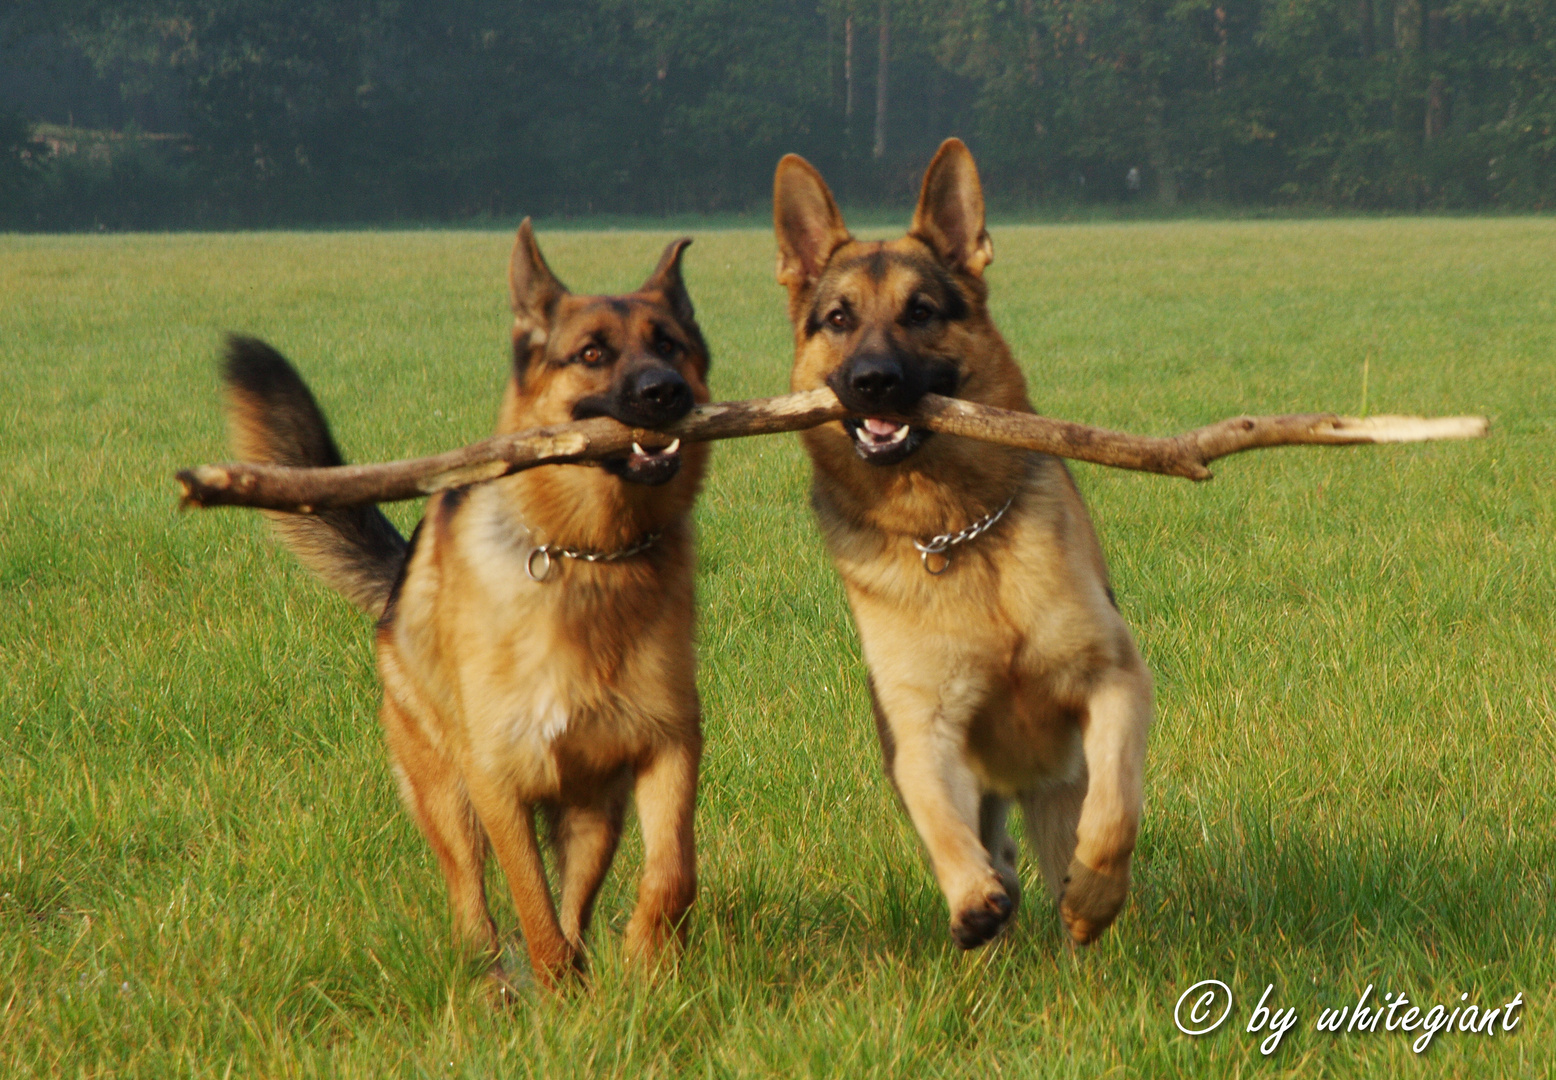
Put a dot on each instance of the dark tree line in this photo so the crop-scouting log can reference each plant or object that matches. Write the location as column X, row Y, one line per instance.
column 218, row 112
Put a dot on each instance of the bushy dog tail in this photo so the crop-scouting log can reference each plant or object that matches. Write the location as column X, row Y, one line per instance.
column 273, row 418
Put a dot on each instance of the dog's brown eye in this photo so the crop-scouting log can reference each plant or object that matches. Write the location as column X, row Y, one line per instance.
column 592, row 355
column 838, row 319
column 920, row 313
column 665, row 345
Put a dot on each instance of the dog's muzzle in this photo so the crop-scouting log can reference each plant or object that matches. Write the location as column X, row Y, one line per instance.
column 647, row 466
column 884, row 442
column 880, row 382
column 650, row 396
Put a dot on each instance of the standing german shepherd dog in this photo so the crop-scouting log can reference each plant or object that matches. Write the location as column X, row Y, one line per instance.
column 1000, row 669
column 535, row 636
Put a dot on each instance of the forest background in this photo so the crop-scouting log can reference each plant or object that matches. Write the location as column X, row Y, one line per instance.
column 244, row 113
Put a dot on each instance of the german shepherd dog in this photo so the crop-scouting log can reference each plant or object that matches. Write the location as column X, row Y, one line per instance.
column 535, row 635
column 1000, row 668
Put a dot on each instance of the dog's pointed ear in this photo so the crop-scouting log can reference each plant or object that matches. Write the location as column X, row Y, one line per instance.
column 949, row 217
column 533, row 287
column 807, row 222
column 666, row 279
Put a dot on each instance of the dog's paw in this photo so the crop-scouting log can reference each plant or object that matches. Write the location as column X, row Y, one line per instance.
column 1091, row 900
column 501, row 989
column 981, row 919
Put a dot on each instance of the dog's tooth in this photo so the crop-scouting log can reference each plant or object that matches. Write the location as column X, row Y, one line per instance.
column 672, row 448
column 637, row 448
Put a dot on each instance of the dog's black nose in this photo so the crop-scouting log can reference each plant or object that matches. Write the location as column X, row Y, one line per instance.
column 876, row 382
column 876, row 379
column 656, row 396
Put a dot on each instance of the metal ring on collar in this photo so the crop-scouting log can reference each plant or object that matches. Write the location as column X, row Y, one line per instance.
column 945, row 560
column 545, row 569
column 941, row 545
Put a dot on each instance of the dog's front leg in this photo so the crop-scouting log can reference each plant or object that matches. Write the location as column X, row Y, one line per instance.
column 943, row 797
column 510, row 825
column 434, row 793
column 1118, row 716
column 667, row 801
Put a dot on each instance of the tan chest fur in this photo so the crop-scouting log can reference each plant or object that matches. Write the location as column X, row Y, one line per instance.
column 551, row 684
column 1005, row 646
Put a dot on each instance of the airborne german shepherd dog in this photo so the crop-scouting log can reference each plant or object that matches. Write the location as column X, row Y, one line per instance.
column 1000, row 668
column 535, row 635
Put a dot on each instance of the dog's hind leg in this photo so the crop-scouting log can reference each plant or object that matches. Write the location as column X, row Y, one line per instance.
column 586, row 837
column 666, row 793
column 433, row 791
column 1118, row 715
column 992, row 810
column 1051, row 814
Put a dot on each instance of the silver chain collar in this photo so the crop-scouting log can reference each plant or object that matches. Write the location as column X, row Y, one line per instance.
column 941, row 545
column 547, row 551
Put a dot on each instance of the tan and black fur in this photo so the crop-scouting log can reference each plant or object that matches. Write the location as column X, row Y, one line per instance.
column 507, row 698
column 1009, row 676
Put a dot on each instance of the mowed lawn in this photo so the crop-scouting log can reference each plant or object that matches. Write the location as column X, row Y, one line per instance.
column 1352, row 776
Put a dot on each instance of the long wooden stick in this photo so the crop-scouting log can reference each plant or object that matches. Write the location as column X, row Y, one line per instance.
column 1188, row 455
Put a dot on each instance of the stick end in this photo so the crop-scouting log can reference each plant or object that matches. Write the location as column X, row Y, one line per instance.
column 1402, row 429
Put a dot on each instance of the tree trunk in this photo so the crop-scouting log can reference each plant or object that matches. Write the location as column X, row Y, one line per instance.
column 1364, row 20
column 1436, row 108
column 880, row 85
column 1218, row 66
column 1407, row 26
column 848, row 74
column 1161, row 164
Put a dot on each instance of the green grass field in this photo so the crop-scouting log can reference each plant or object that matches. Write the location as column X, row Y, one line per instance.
column 1352, row 778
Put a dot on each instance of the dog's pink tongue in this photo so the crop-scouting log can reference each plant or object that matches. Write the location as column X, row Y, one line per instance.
column 880, row 427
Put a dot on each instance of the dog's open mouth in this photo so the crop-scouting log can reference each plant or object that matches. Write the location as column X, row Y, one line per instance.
column 647, row 466
column 884, row 442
